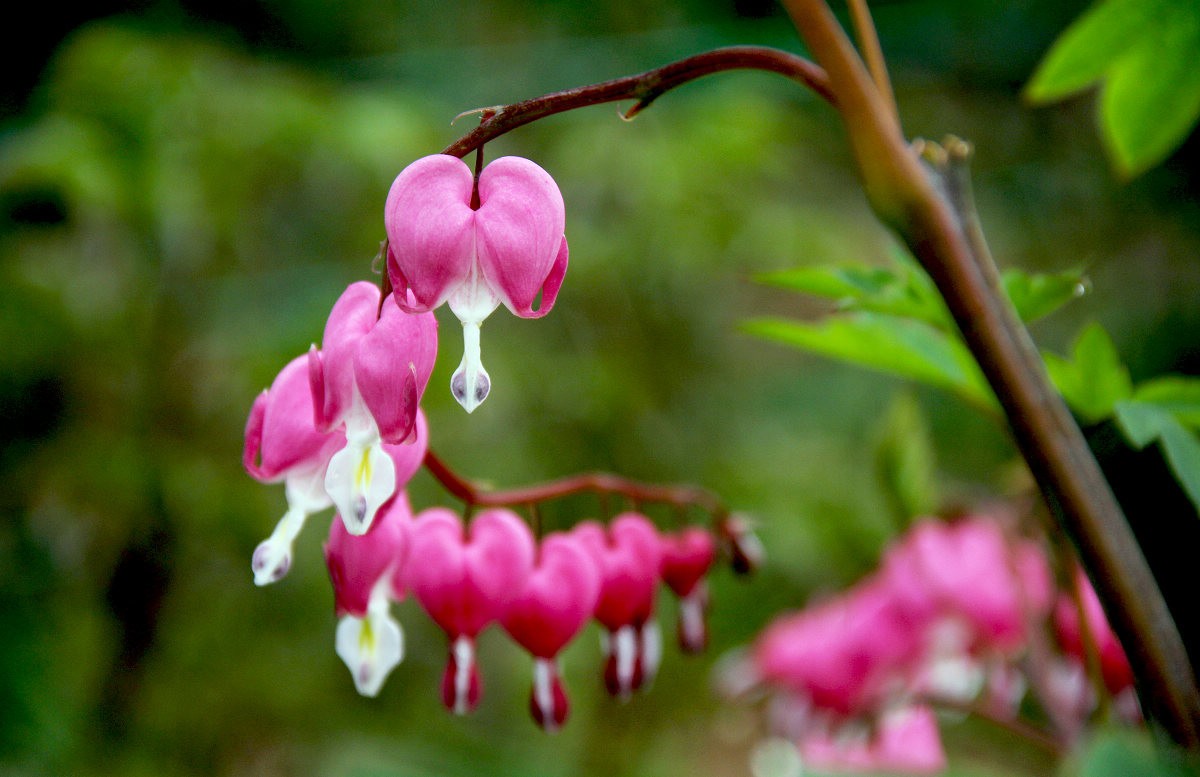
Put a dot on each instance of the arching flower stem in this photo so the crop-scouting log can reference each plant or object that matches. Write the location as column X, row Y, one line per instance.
column 645, row 88
column 600, row 483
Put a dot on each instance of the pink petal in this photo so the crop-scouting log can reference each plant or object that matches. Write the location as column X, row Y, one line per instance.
column 430, row 229
column 392, row 365
column 519, row 230
column 467, row 583
column 353, row 316
column 558, row 599
column 280, row 436
column 686, row 558
column 357, row 563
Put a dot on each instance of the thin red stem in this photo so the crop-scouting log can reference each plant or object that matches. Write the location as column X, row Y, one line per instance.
column 602, row 483
column 644, row 88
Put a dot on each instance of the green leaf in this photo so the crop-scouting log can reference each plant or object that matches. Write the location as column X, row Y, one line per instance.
column 905, row 461
column 1177, row 394
column 1143, row 424
column 1152, row 99
column 1145, row 51
column 1094, row 379
column 897, row 346
column 1039, row 294
column 1091, row 46
column 907, row 293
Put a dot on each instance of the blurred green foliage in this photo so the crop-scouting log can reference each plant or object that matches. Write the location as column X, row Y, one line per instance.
column 182, row 203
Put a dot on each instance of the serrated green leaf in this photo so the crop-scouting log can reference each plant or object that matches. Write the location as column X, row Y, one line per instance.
column 1176, row 394
column 1143, row 424
column 897, row 346
column 1094, row 379
column 904, row 460
column 1090, row 47
column 1151, row 98
column 1039, row 294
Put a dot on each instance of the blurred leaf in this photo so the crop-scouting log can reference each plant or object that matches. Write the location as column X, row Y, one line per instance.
column 898, row 346
column 1127, row 753
column 1094, row 379
column 1091, row 47
column 905, row 294
column 1175, row 393
column 1036, row 295
column 905, row 460
column 1145, row 50
column 1143, row 424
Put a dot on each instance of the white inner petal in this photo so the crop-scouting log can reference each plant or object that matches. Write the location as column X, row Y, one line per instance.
column 472, row 302
column 360, row 478
column 273, row 556
column 651, row 650
column 370, row 647
column 464, row 662
column 543, row 691
column 625, row 648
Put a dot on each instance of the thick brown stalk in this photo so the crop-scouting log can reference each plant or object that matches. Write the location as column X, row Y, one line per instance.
column 902, row 194
column 644, row 87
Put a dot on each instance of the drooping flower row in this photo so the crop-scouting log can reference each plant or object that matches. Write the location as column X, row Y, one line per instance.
column 492, row 571
column 342, row 427
column 950, row 616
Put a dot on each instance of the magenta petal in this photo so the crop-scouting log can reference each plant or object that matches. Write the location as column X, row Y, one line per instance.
column 409, row 456
column 467, row 583
column 353, row 316
column 430, row 229
column 552, row 284
column 279, row 432
column 357, row 563
column 686, row 557
column 558, row 598
column 519, row 230
column 392, row 366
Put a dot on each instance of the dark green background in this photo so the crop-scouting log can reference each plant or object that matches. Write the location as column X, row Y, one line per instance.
column 185, row 189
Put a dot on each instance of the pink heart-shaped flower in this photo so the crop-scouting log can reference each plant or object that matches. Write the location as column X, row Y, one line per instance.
column 467, row 582
column 558, row 598
column 628, row 557
column 514, row 236
column 686, row 557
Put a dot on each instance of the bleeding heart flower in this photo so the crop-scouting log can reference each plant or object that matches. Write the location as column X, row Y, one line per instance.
column 475, row 245
column 467, row 582
column 557, row 601
column 282, row 444
column 686, row 559
column 367, row 379
column 628, row 556
column 362, row 569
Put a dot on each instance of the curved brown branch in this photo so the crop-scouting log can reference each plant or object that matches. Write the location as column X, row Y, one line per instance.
column 589, row 482
column 645, row 88
column 1053, row 446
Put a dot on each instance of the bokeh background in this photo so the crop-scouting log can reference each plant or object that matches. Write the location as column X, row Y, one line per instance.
column 185, row 189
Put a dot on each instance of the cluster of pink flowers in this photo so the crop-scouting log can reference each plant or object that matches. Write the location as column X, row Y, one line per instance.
column 542, row 593
column 948, row 619
column 342, row 427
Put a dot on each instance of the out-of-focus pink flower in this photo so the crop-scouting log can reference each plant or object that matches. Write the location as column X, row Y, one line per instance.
column 1114, row 665
column 849, row 655
column 557, row 601
column 904, row 741
column 628, row 556
column 362, row 569
column 283, row 444
column 969, row 572
column 366, row 381
column 466, row 583
column 686, row 558
column 475, row 246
